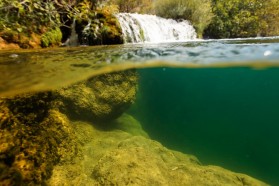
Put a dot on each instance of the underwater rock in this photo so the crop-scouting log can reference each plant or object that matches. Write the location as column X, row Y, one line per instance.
column 35, row 135
column 95, row 141
column 41, row 144
column 139, row 161
column 128, row 124
column 33, row 138
column 117, row 157
column 101, row 98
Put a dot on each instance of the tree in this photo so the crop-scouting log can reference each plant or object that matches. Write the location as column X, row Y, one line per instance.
column 134, row 6
column 269, row 17
column 244, row 18
column 198, row 12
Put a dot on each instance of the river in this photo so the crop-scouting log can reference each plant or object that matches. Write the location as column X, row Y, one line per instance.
column 215, row 99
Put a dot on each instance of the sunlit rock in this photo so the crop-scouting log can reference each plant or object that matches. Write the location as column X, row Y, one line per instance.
column 100, row 98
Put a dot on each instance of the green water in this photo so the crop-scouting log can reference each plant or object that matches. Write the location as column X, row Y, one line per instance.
column 227, row 117
column 217, row 99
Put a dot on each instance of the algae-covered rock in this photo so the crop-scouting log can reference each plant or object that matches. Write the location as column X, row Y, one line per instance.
column 128, row 124
column 116, row 157
column 33, row 138
column 139, row 161
column 101, row 98
column 8, row 46
column 51, row 38
column 35, row 135
column 79, row 136
column 11, row 39
column 100, row 29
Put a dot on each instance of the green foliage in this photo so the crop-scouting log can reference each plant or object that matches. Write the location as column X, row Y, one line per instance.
column 134, row 6
column 52, row 37
column 198, row 12
column 30, row 22
column 102, row 26
column 244, row 18
column 269, row 18
column 27, row 15
column 24, row 18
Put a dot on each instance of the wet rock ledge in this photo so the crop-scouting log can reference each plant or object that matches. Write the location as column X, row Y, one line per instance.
column 80, row 135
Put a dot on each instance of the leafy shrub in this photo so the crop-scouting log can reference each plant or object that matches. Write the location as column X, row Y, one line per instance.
column 51, row 38
column 134, row 6
column 198, row 12
column 244, row 18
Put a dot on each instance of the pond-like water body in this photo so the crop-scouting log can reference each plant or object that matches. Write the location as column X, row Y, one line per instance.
column 216, row 99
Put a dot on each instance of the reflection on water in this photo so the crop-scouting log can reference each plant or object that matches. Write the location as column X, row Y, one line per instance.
column 29, row 70
column 218, row 100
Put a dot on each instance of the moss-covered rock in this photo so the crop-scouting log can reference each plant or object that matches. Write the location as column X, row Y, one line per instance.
column 128, row 124
column 41, row 145
column 111, row 29
column 51, row 38
column 8, row 46
column 35, row 135
column 33, row 138
column 21, row 40
column 101, row 98
column 117, row 156
column 139, row 161
column 102, row 29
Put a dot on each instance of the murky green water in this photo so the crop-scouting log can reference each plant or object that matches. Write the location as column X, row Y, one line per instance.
column 227, row 117
column 217, row 100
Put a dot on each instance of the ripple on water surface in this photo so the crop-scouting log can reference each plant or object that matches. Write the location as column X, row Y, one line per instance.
column 38, row 70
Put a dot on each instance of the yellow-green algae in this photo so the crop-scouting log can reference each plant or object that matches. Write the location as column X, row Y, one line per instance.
column 36, row 135
column 117, row 157
column 33, row 139
column 100, row 98
column 51, row 38
column 41, row 143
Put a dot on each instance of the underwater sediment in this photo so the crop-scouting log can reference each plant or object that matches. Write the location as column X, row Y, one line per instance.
column 80, row 135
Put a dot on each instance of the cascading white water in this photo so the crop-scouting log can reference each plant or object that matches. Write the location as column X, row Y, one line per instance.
column 150, row 28
column 73, row 39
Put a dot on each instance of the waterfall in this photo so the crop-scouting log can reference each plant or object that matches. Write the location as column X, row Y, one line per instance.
column 150, row 28
column 73, row 39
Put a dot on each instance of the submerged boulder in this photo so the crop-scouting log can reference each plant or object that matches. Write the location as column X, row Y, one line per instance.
column 121, row 156
column 35, row 135
column 33, row 138
column 101, row 98
column 139, row 161
column 53, row 138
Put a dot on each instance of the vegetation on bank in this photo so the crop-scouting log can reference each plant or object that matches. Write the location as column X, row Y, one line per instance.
column 44, row 23
column 198, row 12
column 244, row 18
column 215, row 18
column 23, row 22
column 134, row 6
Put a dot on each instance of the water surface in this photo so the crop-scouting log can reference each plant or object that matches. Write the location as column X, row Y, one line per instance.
column 39, row 70
column 216, row 99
